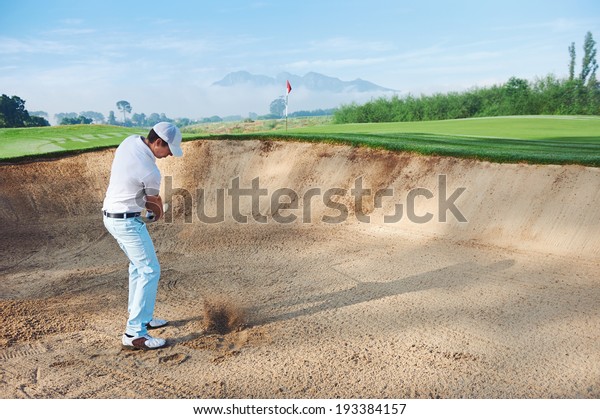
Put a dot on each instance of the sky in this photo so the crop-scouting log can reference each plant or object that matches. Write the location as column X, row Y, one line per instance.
column 164, row 56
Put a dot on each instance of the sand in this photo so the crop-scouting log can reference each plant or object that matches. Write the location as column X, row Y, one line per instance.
column 504, row 305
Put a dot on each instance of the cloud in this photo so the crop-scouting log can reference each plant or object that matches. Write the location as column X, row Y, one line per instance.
column 256, row 5
column 342, row 44
column 335, row 63
column 555, row 25
column 187, row 47
column 71, row 31
column 71, row 22
column 33, row 46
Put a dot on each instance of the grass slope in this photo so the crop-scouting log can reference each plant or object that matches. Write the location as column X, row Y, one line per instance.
column 20, row 142
column 535, row 139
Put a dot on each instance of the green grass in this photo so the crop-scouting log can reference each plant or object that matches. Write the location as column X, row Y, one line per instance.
column 20, row 143
column 517, row 127
column 541, row 139
column 535, row 139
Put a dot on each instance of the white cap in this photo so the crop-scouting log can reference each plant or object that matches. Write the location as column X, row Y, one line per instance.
column 171, row 135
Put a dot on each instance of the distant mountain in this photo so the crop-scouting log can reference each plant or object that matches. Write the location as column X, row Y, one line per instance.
column 311, row 81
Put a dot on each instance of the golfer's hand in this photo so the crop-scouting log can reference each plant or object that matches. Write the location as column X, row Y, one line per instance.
column 154, row 204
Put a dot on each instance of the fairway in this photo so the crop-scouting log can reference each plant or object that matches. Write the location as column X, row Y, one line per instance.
column 532, row 139
column 508, row 127
column 20, row 142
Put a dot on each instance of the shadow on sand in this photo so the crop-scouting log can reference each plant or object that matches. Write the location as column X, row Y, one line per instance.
column 457, row 275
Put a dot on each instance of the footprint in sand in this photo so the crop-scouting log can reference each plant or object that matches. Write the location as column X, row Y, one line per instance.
column 174, row 359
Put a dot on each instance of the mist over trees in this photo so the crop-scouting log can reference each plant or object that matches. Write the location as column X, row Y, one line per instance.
column 41, row 114
column 136, row 120
column 575, row 95
column 96, row 117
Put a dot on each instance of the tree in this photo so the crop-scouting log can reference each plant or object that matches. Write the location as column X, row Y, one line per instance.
column 111, row 118
column 183, row 122
column 165, row 118
column 572, row 61
column 278, row 106
column 153, row 119
column 214, row 118
column 124, row 107
column 77, row 120
column 13, row 114
column 37, row 121
column 588, row 65
column 62, row 115
column 139, row 119
column 97, row 117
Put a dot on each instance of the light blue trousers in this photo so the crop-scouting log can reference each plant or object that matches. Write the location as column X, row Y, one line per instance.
column 144, row 270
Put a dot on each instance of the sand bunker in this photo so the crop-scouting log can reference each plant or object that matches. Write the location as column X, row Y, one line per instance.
column 362, row 273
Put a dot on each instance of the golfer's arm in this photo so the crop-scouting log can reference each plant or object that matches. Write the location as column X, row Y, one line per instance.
column 154, row 204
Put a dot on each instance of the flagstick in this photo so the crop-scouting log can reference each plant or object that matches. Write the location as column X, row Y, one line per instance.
column 286, row 109
column 288, row 89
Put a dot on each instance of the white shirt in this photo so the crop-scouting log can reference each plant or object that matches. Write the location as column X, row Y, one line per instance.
column 134, row 175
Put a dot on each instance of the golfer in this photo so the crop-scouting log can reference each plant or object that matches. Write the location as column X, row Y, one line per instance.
column 134, row 185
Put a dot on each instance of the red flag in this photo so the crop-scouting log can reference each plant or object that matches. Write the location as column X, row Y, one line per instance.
column 289, row 87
